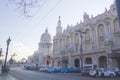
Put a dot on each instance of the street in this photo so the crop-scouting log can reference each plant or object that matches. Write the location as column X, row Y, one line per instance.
column 20, row 74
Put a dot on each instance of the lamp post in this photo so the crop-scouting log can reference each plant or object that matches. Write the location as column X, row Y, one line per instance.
column 118, row 8
column 0, row 52
column 4, row 69
column 0, row 56
column 48, row 49
column 48, row 57
column 81, row 46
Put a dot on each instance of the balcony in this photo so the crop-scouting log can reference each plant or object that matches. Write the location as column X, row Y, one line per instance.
column 116, row 47
column 117, row 32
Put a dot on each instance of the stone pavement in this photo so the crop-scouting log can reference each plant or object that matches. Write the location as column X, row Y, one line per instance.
column 6, row 77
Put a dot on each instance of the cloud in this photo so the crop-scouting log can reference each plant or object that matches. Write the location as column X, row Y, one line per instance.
column 21, row 50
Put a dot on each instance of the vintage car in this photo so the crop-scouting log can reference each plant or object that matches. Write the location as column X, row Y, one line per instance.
column 102, row 73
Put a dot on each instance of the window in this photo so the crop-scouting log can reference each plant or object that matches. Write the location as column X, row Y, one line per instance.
column 101, row 30
column 101, row 35
column 116, row 25
column 88, row 40
column 76, row 42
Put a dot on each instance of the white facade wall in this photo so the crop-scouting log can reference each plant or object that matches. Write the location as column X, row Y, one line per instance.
column 102, row 38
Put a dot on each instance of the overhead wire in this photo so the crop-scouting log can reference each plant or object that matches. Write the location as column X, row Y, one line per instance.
column 44, row 1
column 58, row 2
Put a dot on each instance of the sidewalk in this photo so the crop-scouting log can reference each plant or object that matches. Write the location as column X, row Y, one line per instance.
column 6, row 77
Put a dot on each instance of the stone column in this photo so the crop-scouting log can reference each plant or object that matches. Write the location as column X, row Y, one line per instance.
column 93, row 37
column 109, row 60
column 70, row 61
column 108, row 44
column 70, row 50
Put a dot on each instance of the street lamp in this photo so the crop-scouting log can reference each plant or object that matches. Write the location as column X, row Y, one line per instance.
column 4, row 68
column 81, row 46
column 118, row 9
column 48, row 57
column 0, row 52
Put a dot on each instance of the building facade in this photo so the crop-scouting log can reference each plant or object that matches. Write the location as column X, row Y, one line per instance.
column 44, row 49
column 95, row 40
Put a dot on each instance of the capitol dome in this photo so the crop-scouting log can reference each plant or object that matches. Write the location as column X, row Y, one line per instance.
column 45, row 37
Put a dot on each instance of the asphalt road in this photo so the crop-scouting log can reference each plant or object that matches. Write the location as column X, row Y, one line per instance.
column 20, row 74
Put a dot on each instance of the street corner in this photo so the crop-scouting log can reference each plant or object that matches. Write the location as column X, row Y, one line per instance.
column 7, row 77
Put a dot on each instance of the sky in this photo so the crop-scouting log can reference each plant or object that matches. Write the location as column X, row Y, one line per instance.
column 25, row 32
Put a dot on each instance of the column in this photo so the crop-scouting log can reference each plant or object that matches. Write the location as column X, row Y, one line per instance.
column 109, row 60
column 93, row 37
column 70, row 51
column 70, row 61
column 109, row 42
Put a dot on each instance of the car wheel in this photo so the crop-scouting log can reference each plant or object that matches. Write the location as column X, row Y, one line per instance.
column 96, row 75
column 111, row 75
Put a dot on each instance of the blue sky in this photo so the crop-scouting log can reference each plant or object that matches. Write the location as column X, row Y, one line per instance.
column 25, row 32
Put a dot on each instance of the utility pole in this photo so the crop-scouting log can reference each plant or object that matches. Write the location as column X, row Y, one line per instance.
column 81, row 46
column 4, row 68
column 118, row 8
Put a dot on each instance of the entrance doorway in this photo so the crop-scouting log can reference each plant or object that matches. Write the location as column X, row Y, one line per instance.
column 77, row 63
column 118, row 62
column 88, row 60
column 102, row 62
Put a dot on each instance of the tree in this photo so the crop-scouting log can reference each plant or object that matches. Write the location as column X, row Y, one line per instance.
column 13, row 55
column 23, row 60
column 26, row 6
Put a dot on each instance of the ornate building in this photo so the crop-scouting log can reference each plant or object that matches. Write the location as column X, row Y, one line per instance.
column 96, row 40
column 44, row 49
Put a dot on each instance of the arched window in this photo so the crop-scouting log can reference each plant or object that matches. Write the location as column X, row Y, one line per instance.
column 102, row 62
column 77, row 63
column 68, row 40
column 101, row 34
column 108, row 25
column 67, row 43
column 60, row 43
column 116, row 25
column 87, row 35
column 76, row 42
column 88, row 60
column 88, row 40
column 116, row 28
column 77, row 38
column 101, row 30
column 63, row 41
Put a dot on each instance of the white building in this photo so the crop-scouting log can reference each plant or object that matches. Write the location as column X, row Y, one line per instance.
column 99, row 45
column 44, row 49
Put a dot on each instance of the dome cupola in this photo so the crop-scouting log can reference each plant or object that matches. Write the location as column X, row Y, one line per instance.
column 45, row 37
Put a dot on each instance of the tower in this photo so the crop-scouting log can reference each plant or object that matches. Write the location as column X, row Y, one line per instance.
column 59, row 27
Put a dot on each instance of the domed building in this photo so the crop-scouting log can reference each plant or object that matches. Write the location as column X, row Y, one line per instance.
column 45, row 43
column 44, row 50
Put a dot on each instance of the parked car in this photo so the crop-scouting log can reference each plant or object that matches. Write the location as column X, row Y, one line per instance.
column 85, row 72
column 103, row 72
column 54, row 70
column 116, row 70
column 87, row 68
column 95, row 73
column 43, row 69
column 75, row 70
column 67, row 69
